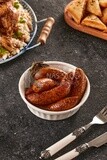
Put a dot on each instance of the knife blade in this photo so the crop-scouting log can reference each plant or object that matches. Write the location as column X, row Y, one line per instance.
column 97, row 142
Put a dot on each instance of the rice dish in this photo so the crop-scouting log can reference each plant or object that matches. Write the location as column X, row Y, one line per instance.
column 15, row 28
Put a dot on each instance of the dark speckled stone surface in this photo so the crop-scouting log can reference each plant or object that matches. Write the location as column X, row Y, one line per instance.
column 23, row 135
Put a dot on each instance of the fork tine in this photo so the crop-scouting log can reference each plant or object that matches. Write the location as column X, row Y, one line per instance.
column 102, row 115
column 104, row 110
column 105, row 113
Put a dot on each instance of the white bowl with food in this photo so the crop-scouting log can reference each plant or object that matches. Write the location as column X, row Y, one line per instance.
column 54, row 90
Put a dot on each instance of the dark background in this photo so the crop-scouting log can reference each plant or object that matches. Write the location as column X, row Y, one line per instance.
column 23, row 135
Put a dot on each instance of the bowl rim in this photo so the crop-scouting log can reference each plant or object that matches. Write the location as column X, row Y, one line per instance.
column 84, row 98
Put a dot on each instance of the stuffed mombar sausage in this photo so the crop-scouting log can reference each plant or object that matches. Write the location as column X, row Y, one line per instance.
column 40, row 70
column 53, row 95
column 63, row 104
column 43, row 84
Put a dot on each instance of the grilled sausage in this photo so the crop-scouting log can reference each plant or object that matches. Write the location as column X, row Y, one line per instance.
column 28, row 91
column 41, row 70
column 51, row 73
column 53, row 95
column 64, row 104
column 79, row 85
column 43, row 84
column 77, row 91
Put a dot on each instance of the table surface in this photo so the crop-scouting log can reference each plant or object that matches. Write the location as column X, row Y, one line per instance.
column 23, row 135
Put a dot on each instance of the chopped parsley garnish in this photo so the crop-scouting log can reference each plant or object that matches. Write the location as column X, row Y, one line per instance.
column 3, row 51
column 18, row 34
column 22, row 20
column 16, row 5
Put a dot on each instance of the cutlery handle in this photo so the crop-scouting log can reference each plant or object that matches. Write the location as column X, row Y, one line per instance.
column 74, row 153
column 46, row 30
column 49, row 152
column 57, row 146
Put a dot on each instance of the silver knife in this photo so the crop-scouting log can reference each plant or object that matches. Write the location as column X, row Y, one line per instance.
column 97, row 142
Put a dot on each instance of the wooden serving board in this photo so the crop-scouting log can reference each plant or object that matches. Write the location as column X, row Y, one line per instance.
column 85, row 29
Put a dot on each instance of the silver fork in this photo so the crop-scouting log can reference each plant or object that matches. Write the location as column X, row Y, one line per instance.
column 100, row 118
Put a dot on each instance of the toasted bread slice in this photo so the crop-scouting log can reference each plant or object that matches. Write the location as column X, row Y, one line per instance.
column 94, row 22
column 76, row 10
column 103, row 3
column 104, row 16
column 94, row 7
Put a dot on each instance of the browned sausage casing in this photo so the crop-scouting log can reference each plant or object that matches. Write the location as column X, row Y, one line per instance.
column 52, row 73
column 53, row 95
column 77, row 91
column 43, row 84
column 28, row 91
column 64, row 104
column 79, row 85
